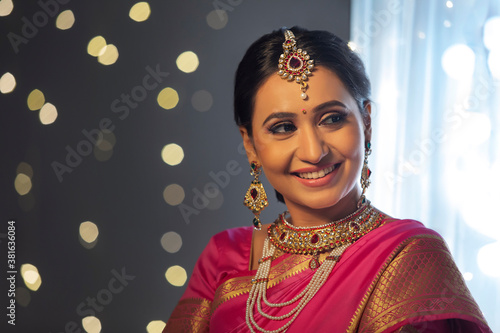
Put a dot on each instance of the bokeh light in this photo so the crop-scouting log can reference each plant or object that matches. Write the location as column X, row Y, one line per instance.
column 36, row 100
column 89, row 232
column 140, row 12
column 468, row 276
column 48, row 114
column 103, row 150
column 487, row 259
column 7, row 83
column 25, row 168
column 187, row 62
column 6, row 7
column 65, row 20
column 171, row 242
column 23, row 296
column 494, row 63
column 352, row 45
column 155, row 326
column 173, row 194
column 31, row 276
column 202, row 100
column 172, row 154
column 491, row 33
column 458, row 61
column 96, row 45
column 22, row 184
column 108, row 55
column 176, row 276
column 449, row 4
column 217, row 19
column 91, row 324
column 168, row 98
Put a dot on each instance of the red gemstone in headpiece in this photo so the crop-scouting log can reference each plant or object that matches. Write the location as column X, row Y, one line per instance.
column 253, row 193
column 283, row 235
column 295, row 62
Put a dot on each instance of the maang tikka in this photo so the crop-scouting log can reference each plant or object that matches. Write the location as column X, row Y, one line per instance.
column 256, row 198
column 365, row 175
column 295, row 64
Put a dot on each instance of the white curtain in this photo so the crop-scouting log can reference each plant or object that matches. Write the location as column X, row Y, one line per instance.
column 435, row 73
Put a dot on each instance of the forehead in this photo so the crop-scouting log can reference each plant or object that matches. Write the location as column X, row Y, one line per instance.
column 278, row 95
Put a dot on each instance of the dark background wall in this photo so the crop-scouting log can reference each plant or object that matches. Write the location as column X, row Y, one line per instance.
column 123, row 194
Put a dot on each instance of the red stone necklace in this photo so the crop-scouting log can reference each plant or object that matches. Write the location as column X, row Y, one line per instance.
column 320, row 239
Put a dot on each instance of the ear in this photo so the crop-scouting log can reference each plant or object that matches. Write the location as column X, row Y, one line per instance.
column 367, row 121
column 249, row 146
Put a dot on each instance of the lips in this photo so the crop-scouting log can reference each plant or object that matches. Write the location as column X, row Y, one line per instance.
column 317, row 174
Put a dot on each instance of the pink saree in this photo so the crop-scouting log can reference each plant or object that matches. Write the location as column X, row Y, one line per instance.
column 399, row 277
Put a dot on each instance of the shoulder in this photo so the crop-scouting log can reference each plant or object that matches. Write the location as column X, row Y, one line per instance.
column 232, row 237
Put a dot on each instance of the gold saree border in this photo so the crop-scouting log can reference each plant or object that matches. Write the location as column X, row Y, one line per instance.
column 191, row 315
column 237, row 286
column 430, row 284
column 288, row 267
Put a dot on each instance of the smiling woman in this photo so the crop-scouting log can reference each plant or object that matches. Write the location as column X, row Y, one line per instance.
column 332, row 262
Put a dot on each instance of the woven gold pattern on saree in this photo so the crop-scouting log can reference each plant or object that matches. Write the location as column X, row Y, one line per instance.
column 290, row 266
column 421, row 280
column 191, row 315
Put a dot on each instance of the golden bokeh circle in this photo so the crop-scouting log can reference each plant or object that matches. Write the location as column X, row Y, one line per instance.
column 176, row 276
column 96, row 45
column 187, row 62
column 7, row 83
column 172, row 154
column 65, row 20
column 173, row 194
column 48, row 114
column 108, row 55
column 140, row 11
column 168, row 98
column 36, row 100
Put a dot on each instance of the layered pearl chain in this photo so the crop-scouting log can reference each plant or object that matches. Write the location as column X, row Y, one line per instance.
column 336, row 236
column 259, row 287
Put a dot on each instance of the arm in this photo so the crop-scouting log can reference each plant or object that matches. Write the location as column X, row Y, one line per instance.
column 192, row 313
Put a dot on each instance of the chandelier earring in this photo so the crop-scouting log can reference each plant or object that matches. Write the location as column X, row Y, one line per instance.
column 256, row 197
column 365, row 175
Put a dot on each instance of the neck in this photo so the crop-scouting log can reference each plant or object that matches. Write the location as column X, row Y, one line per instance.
column 303, row 216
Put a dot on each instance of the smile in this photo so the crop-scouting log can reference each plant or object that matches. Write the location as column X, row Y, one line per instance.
column 317, row 174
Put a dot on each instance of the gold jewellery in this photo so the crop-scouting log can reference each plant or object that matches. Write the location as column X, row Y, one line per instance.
column 295, row 64
column 320, row 239
column 335, row 237
column 365, row 175
column 256, row 197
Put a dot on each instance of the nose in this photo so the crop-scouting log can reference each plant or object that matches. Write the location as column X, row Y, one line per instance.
column 311, row 146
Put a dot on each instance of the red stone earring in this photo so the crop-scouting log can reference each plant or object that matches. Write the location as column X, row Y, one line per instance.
column 365, row 175
column 256, row 198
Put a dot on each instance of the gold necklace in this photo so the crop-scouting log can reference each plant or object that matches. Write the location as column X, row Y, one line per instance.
column 349, row 229
column 320, row 239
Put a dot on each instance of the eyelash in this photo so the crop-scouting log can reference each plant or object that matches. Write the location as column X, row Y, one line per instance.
column 276, row 128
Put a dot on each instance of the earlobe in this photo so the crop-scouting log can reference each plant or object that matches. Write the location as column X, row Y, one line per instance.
column 248, row 144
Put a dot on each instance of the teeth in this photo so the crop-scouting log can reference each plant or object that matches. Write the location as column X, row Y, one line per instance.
column 316, row 174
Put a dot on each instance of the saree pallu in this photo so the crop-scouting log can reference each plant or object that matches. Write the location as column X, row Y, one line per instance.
column 399, row 277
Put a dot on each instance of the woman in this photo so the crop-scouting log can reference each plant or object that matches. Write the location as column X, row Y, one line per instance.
column 332, row 263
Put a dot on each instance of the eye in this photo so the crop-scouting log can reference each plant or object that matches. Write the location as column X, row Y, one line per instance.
column 333, row 118
column 282, row 128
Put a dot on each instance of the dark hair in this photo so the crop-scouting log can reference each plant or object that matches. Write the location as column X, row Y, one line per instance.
column 261, row 61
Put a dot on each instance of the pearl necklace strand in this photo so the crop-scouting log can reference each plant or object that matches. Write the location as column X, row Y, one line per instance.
column 259, row 287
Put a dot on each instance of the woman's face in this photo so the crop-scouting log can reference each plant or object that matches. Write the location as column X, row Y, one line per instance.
column 312, row 157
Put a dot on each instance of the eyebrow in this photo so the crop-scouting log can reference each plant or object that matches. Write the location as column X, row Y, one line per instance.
column 288, row 115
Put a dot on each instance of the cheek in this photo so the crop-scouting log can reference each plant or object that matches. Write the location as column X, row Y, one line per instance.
column 274, row 155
